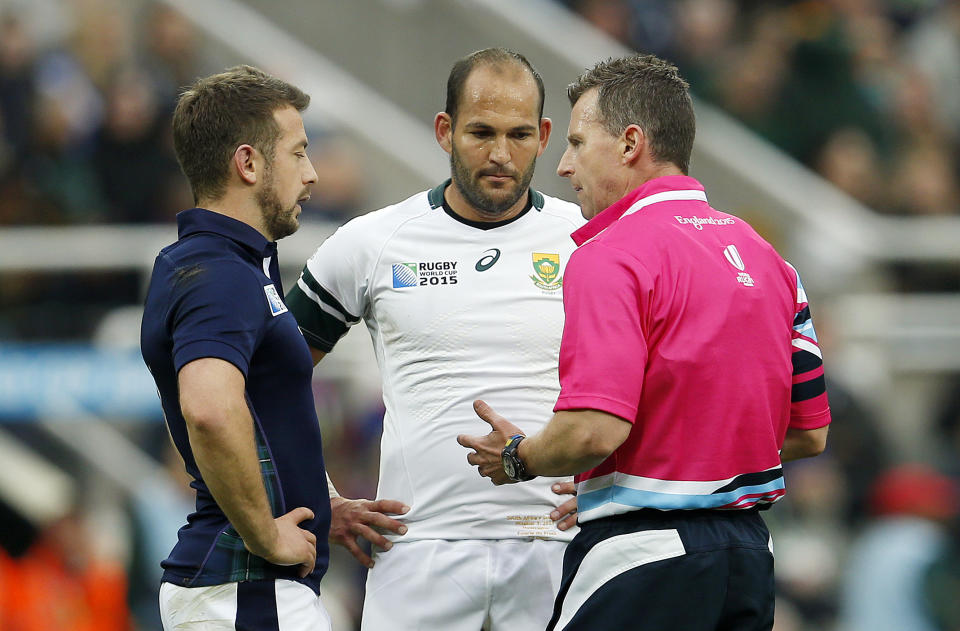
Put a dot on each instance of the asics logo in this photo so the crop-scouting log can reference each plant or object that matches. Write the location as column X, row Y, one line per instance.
column 487, row 260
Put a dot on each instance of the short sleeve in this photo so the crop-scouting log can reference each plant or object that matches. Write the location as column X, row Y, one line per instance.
column 219, row 309
column 604, row 347
column 809, row 407
column 330, row 295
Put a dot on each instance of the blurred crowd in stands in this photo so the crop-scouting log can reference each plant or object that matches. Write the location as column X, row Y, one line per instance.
column 865, row 92
column 87, row 89
column 85, row 116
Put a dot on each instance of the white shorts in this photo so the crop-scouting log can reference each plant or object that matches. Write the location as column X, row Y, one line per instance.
column 495, row 585
column 268, row 605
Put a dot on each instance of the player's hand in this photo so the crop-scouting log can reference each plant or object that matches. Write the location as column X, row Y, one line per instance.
column 351, row 519
column 487, row 449
column 293, row 545
column 566, row 514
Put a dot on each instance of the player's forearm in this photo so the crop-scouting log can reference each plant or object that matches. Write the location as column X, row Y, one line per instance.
column 572, row 442
column 803, row 443
column 226, row 455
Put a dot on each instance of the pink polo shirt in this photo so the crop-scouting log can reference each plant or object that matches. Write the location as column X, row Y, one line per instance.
column 682, row 320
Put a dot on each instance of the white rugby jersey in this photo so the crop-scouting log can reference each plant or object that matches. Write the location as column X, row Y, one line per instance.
column 457, row 311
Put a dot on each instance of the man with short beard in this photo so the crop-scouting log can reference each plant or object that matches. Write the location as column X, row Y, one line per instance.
column 233, row 372
column 461, row 290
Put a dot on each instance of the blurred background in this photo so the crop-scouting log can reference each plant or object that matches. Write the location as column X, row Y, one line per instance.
column 832, row 125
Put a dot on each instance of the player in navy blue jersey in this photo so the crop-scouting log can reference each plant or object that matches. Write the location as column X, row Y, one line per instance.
column 233, row 370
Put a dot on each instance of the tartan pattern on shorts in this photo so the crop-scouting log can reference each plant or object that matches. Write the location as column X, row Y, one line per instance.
column 231, row 558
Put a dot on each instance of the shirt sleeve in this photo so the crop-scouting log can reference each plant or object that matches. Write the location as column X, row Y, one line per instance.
column 809, row 408
column 219, row 310
column 330, row 294
column 605, row 293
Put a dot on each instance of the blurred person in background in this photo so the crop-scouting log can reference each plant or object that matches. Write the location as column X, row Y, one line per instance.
column 849, row 160
column 340, row 179
column 171, row 55
column 62, row 583
column 59, row 167
column 933, row 47
column 16, row 89
column 674, row 413
column 233, row 372
column 886, row 573
column 923, row 181
column 443, row 280
column 811, row 535
column 133, row 158
column 705, row 29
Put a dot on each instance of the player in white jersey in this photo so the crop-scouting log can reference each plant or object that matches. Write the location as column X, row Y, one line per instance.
column 461, row 290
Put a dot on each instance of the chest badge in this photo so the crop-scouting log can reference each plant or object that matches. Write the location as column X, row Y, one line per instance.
column 547, row 269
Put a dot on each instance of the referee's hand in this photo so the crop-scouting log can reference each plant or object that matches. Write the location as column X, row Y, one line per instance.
column 487, row 449
column 352, row 519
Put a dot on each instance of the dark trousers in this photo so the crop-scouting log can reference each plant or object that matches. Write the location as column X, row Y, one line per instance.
column 650, row 570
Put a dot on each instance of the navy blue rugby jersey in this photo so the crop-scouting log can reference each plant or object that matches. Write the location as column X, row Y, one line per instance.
column 216, row 292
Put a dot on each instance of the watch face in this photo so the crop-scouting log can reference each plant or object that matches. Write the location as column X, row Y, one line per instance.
column 509, row 469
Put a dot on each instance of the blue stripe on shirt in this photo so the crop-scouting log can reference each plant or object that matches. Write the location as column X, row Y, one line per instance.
column 669, row 501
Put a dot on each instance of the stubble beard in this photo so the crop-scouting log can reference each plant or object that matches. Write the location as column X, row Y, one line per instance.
column 278, row 221
column 486, row 205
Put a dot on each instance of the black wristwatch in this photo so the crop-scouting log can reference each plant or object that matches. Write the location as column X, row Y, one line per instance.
column 512, row 465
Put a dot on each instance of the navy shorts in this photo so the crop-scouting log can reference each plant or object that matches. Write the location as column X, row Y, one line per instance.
column 651, row 570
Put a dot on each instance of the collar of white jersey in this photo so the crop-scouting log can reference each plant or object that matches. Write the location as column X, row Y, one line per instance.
column 662, row 189
column 435, row 196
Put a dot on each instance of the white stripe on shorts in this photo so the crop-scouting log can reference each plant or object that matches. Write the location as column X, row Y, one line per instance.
column 215, row 607
column 612, row 557
column 299, row 609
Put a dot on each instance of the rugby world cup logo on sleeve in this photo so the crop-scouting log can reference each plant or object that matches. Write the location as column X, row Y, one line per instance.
column 274, row 300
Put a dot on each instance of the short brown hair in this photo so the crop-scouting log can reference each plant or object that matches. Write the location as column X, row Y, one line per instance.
column 219, row 113
column 491, row 57
column 647, row 91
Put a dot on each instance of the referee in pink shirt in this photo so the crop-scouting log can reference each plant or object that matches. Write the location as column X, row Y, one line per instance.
column 689, row 372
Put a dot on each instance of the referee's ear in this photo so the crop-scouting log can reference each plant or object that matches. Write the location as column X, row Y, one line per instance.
column 443, row 129
column 633, row 142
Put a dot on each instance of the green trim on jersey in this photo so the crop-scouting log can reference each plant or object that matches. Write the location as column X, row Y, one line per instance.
column 321, row 329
